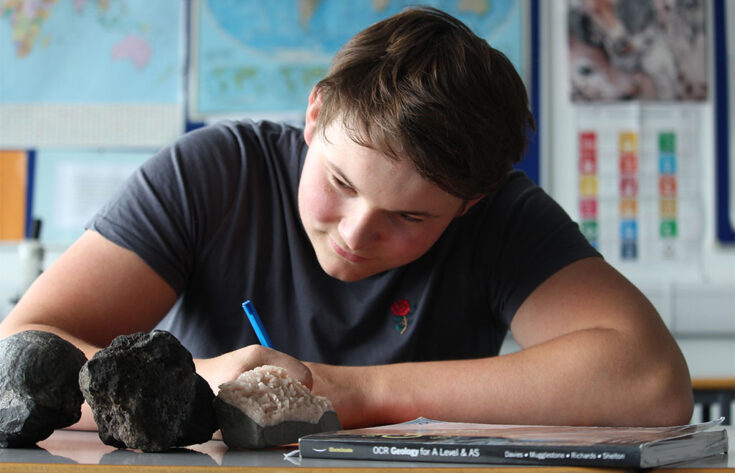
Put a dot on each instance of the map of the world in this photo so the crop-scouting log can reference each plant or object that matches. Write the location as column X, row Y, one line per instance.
column 90, row 51
column 235, row 57
column 265, row 56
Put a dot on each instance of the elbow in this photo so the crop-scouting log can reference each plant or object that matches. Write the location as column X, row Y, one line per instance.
column 671, row 397
column 686, row 408
column 676, row 408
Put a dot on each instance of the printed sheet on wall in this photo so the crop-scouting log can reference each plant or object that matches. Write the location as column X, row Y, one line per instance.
column 638, row 79
column 261, row 59
column 95, row 73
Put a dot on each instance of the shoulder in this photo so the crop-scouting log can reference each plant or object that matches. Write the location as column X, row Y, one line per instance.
column 245, row 136
column 519, row 189
column 520, row 236
column 228, row 151
column 520, row 204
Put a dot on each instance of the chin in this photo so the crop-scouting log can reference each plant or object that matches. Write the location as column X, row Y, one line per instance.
column 343, row 271
column 344, row 274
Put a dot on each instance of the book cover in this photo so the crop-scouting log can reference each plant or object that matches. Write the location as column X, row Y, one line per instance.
column 437, row 441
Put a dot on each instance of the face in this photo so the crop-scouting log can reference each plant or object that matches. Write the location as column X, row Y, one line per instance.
column 364, row 213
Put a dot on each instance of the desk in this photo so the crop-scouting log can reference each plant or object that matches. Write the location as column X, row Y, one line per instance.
column 69, row 451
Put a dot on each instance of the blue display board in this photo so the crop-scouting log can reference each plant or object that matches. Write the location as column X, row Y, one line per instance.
column 725, row 157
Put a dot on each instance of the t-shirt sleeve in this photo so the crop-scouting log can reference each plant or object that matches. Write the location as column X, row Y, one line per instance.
column 165, row 209
column 531, row 238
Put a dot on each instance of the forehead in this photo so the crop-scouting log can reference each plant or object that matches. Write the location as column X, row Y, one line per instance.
column 370, row 135
column 345, row 148
column 391, row 183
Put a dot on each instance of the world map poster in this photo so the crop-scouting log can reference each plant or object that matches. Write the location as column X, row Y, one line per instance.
column 90, row 72
column 264, row 57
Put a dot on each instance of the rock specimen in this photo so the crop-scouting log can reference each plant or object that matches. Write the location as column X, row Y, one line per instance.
column 264, row 408
column 145, row 394
column 39, row 391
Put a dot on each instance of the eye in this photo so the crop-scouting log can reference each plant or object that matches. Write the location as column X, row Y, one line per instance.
column 337, row 182
column 410, row 218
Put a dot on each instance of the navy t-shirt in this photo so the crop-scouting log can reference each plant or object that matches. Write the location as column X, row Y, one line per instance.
column 216, row 215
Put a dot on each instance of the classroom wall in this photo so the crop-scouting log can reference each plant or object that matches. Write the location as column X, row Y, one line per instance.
column 696, row 299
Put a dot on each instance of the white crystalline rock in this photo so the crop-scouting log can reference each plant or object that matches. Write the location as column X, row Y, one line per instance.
column 269, row 396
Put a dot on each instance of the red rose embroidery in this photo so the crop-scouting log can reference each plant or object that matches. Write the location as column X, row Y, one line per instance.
column 401, row 307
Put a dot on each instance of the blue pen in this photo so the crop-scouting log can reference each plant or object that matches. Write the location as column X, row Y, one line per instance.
column 257, row 324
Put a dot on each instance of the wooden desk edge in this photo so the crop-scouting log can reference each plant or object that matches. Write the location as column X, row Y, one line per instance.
column 713, row 384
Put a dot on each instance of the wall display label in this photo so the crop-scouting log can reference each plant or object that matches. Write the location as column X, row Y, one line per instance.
column 640, row 199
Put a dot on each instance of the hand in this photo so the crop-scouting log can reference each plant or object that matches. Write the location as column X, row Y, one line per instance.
column 229, row 366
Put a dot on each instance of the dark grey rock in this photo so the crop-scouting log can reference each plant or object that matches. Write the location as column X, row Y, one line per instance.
column 240, row 431
column 39, row 391
column 145, row 394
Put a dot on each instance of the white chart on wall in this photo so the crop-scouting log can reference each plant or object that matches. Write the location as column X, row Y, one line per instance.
column 640, row 197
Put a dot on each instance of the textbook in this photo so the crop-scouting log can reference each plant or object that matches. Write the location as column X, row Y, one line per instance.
column 436, row 441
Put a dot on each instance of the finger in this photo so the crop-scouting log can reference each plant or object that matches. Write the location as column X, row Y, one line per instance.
column 258, row 355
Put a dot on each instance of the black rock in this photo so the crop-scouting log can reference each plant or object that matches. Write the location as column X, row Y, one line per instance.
column 145, row 394
column 241, row 431
column 39, row 391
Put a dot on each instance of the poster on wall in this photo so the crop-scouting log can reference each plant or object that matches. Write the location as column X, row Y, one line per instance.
column 261, row 59
column 71, row 186
column 639, row 174
column 638, row 80
column 95, row 73
column 622, row 50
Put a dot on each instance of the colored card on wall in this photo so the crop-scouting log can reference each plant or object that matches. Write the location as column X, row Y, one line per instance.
column 13, row 191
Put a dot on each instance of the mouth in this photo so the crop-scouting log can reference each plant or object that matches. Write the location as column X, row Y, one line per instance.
column 352, row 258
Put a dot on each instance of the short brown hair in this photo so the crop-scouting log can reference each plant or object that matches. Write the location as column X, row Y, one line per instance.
column 420, row 84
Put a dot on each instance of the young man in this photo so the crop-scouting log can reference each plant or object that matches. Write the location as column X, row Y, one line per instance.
column 388, row 247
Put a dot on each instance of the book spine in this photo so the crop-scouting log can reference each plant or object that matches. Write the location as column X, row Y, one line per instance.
column 617, row 456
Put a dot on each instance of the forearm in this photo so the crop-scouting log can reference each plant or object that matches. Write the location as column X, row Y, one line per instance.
column 590, row 377
column 86, row 347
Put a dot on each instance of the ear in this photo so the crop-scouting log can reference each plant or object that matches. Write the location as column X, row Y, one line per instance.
column 467, row 205
column 312, row 113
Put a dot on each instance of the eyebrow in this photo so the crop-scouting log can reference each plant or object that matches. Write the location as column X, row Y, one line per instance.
column 418, row 213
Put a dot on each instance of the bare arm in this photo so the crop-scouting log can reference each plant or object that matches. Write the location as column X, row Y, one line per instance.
column 594, row 352
column 594, row 349
column 98, row 290
column 94, row 292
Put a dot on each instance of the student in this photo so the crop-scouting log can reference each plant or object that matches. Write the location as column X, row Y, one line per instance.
column 388, row 247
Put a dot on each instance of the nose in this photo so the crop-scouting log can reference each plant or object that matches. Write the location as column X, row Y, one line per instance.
column 359, row 227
